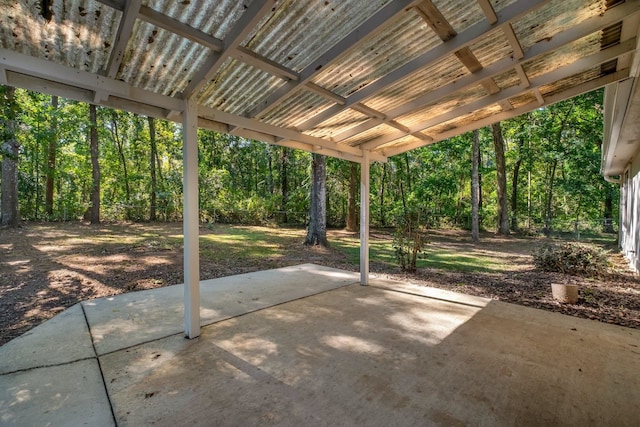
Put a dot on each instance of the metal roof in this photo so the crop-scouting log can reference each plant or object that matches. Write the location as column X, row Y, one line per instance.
column 331, row 76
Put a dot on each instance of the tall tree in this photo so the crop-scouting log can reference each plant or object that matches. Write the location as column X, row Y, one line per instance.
column 9, row 150
column 284, row 183
column 501, row 176
column 51, row 158
column 95, row 165
column 475, row 187
column 119, row 143
column 352, row 209
column 152, row 168
column 317, row 231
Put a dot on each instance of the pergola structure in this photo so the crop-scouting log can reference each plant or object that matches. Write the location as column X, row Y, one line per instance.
column 358, row 80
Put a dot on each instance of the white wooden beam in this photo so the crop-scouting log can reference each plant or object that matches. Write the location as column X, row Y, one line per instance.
column 177, row 27
column 4, row 79
column 488, row 11
column 353, row 39
column 285, row 133
column 364, row 218
column 249, row 57
column 125, row 28
column 48, row 70
column 507, row 15
column 550, row 77
column 538, row 96
column 319, row 90
column 510, row 35
column 191, row 220
column 569, row 93
column 542, row 47
column 249, row 19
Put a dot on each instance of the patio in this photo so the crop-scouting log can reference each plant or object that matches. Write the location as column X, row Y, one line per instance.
column 307, row 345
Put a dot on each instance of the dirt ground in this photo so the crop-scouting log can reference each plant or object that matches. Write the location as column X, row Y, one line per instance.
column 45, row 268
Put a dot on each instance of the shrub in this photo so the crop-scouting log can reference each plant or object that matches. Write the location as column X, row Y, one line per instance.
column 571, row 258
column 409, row 240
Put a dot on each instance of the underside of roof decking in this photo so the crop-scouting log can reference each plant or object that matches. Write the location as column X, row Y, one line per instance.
column 329, row 76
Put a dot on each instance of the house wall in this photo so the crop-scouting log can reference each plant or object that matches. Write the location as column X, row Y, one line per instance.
column 630, row 214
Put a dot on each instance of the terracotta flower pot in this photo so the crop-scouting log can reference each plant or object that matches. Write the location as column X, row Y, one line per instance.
column 567, row 294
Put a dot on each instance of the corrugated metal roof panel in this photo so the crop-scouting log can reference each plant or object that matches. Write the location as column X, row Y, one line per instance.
column 409, row 139
column 425, row 80
column 398, row 43
column 463, row 120
column 212, row 17
column 507, row 79
column 238, row 87
column 461, row 14
column 301, row 30
column 492, row 48
column 554, row 17
column 338, row 123
column 522, row 100
column 160, row 61
column 498, row 5
column 380, row 130
column 570, row 82
column 80, row 33
column 563, row 56
column 455, row 100
column 297, row 109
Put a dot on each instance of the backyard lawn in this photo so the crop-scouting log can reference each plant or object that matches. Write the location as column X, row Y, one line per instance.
column 46, row 268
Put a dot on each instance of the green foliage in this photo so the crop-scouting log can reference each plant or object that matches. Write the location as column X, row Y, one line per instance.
column 409, row 240
column 242, row 181
column 571, row 258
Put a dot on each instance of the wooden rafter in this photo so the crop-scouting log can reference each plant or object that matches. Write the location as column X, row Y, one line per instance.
column 569, row 93
column 545, row 79
column 488, row 11
column 249, row 19
column 539, row 49
column 464, row 39
column 353, row 39
column 123, row 34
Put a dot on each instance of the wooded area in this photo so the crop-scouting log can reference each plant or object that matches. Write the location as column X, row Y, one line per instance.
column 69, row 157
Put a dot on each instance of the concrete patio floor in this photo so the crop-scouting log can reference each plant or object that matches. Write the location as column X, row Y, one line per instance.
column 306, row 345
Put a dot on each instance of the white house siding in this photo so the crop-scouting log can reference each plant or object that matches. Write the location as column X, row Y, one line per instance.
column 630, row 214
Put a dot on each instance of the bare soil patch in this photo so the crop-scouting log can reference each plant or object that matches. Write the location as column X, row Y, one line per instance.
column 45, row 268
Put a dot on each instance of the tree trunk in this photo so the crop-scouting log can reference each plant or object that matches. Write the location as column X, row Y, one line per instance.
column 475, row 188
column 284, row 183
column 352, row 208
column 51, row 159
column 514, row 195
column 549, row 198
column 503, row 214
column 384, row 178
column 607, row 226
column 123, row 160
column 95, row 166
column 9, row 216
column 317, row 232
column 152, row 169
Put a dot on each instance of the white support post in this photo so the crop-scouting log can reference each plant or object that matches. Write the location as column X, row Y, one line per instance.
column 364, row 218
column 190, row 220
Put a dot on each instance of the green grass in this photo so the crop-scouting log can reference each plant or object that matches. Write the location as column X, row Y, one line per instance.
column 382, row 251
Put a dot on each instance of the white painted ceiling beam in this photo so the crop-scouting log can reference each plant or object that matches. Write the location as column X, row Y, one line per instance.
column 258, row 126
column 249, row 19
column 123, row 34
column 569, row 93
column 542, row 47
column 177, row 27
column 569, row 70
column 49, row 70
column 249, row 57
column 507, row 15
column 488, row 11
column 352, row 40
